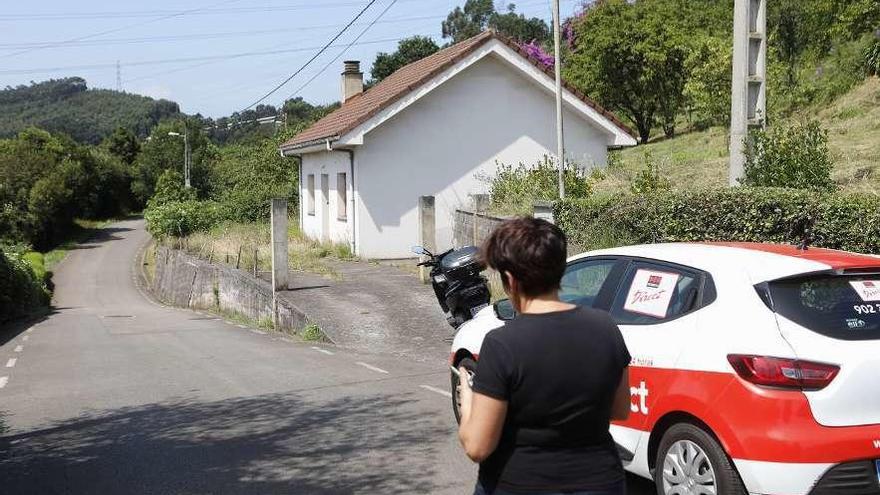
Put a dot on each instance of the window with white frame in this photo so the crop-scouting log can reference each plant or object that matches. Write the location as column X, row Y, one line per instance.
column 311, row 195
column 341, row 197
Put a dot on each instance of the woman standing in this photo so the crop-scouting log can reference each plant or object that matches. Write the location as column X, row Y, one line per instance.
column 547, row 383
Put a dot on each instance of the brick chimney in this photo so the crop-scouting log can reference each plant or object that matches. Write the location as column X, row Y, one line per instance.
column 352, row 80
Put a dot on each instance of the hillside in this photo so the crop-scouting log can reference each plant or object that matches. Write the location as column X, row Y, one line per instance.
column 88, row 115
column 699, row 159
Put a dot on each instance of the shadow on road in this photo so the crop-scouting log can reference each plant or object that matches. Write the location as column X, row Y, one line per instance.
column 266, row 444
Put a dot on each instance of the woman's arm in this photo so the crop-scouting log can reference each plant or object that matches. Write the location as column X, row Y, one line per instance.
column 482, row 419
column 620, row 408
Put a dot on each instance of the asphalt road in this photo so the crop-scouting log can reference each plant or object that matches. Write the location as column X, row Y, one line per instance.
column 113, row 393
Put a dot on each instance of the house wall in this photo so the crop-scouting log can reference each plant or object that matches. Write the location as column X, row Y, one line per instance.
column 443, row 143
column 331, row 164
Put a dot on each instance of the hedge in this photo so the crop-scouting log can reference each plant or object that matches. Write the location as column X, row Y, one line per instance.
column 840, row 221
column 181, row 218
column 22, row 292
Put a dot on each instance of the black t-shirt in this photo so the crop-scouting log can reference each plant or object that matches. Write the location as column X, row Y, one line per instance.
column 559, row 373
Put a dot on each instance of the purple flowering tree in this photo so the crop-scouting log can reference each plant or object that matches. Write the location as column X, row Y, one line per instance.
column 536, row 52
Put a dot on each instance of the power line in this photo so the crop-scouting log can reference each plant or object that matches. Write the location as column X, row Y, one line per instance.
column 200, row 36
column 342, row 52
column 160, row 13
column 115, row 30
column 184, row 59
column 322, row 50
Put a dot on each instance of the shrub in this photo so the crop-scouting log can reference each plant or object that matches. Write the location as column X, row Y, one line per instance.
column 181, row 218
column 170, row 187
column 832, row 220
column 21, row 291
column 515, row 189
column 649, row 180
column 872, row 58
column 795, row 156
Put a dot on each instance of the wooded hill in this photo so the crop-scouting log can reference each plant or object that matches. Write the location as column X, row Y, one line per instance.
column 69, row 107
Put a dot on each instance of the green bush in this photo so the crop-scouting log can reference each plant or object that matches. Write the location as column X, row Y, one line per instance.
column 22, row 291
column 181, row 218
column 649, row 180
column 515, row 189
column 832, row 220
column 872, row 58
column 795, row 156
column 170, row 187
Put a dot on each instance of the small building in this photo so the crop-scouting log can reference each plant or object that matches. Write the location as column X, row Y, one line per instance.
column 436, row 127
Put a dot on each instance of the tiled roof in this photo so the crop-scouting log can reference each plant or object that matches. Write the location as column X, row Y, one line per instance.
column 362, row 107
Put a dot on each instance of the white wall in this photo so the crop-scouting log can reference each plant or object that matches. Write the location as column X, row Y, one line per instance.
column 329, row 163
column 439, row 145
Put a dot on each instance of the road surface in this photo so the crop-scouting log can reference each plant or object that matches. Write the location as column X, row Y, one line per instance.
column 113, row 393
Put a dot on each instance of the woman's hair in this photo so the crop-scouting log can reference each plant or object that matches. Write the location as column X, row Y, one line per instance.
column 532, row 250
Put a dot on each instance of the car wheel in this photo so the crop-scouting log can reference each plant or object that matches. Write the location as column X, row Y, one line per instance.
column 469, row 364
column 690, row 461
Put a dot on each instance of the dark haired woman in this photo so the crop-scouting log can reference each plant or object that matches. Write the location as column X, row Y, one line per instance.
column 547, row 383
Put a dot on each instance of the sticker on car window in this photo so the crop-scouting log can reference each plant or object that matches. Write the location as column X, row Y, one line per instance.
column 868, row 290
column 651, row 293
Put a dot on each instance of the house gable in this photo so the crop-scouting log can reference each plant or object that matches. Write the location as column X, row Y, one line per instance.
column 348, row 125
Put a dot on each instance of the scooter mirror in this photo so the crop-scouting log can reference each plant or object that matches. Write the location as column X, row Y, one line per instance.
column 420, row 251
column 504, row 310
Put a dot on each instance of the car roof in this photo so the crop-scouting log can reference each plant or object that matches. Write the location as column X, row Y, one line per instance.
column 759, row 261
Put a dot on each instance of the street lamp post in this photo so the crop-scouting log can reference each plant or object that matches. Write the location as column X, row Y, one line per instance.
column 186, row 156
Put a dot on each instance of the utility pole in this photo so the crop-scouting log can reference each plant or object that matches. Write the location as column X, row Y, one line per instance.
column 560, row 140
column 118, row 76
column 748, row 100
column 186, row 154
column 187, row 158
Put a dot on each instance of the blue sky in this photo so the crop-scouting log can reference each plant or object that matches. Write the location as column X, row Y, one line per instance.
column 150, row 39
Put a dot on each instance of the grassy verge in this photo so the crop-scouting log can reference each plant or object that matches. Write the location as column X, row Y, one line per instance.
column 699, row 160
column 247, row 245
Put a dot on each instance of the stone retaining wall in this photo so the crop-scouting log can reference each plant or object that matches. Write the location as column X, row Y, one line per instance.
column 186, row 281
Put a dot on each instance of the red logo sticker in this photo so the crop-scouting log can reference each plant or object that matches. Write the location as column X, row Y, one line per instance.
column 654, row 281
column 868, row 283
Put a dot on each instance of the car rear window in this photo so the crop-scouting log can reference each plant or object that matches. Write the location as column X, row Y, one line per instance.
column 845, row 307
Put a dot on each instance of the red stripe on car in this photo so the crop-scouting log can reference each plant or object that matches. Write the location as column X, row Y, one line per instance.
column 751, row 422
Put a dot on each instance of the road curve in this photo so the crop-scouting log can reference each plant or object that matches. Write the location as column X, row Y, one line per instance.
column 113, row 393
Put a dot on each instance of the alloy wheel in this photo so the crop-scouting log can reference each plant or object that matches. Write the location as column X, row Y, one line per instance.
column 688, row 471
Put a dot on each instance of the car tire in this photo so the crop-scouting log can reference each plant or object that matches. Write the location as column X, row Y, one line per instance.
column 469, row 364
column 690, row 456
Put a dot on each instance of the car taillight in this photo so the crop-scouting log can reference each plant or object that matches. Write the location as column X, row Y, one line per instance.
column 782, row 372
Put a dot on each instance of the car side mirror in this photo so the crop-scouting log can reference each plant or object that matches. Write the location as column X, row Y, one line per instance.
column 504, row 310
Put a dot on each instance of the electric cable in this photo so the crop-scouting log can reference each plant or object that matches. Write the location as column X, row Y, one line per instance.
column 318, row 54
column 114, row 30
column 342, row 52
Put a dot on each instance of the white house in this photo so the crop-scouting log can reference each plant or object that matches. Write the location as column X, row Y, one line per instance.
column 433, row 128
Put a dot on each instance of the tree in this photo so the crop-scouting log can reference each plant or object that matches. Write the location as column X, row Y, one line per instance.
column 408, row 51
column 468, row 22
column 163, row 152
column 477, row 15
column 519, row 28
column 632, row 60
column 124, row 145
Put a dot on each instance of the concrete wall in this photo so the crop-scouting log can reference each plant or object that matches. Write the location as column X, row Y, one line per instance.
column 445, row 143
column 463, row 227
column 326, row 208
column 185, row 281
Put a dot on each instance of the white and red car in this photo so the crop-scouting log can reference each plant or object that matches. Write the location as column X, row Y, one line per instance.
column 755, row 367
